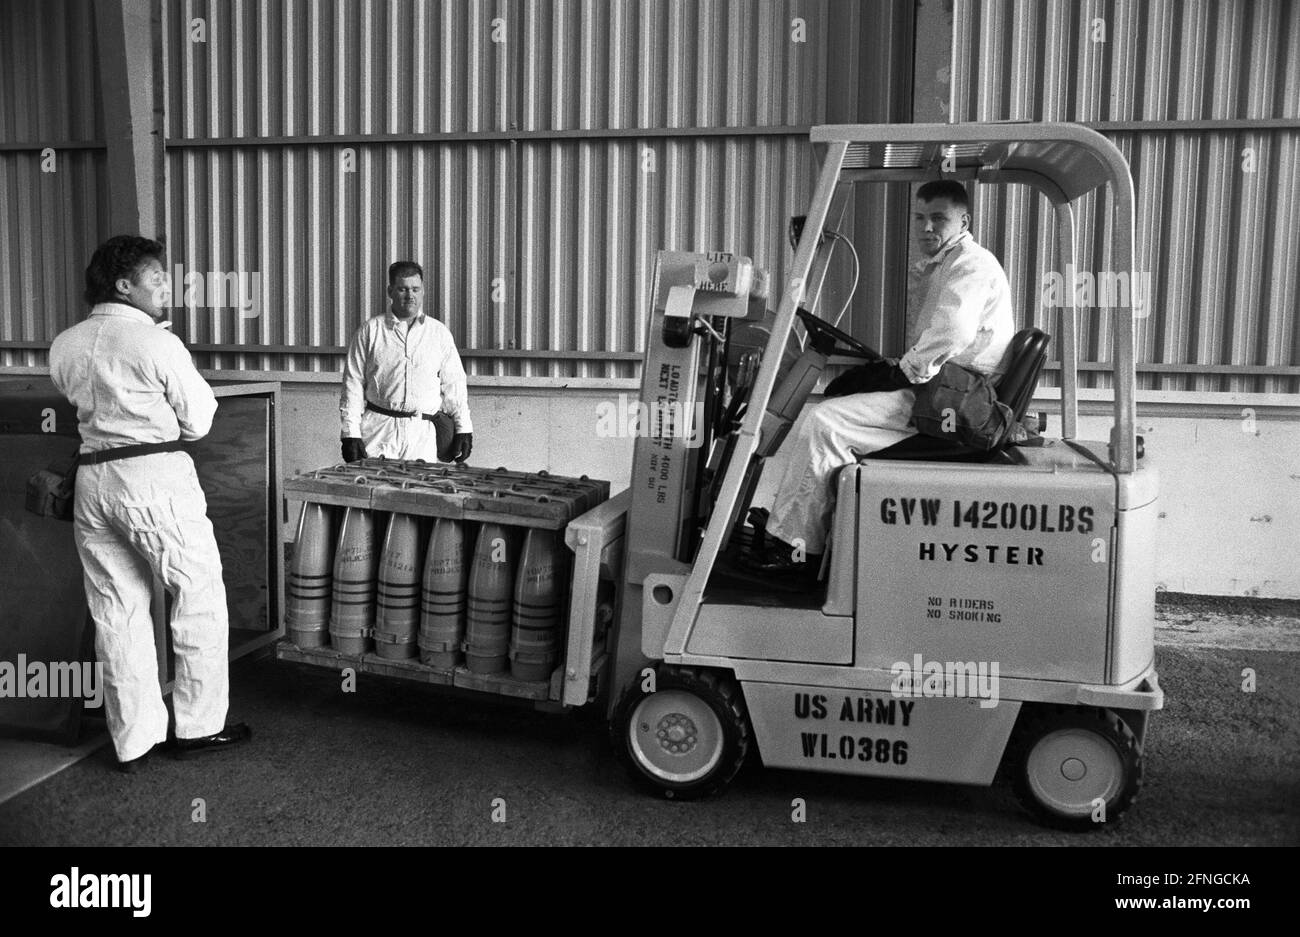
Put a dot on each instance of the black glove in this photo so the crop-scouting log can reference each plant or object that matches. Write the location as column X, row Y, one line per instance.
column 462, row 444
column 868, row 379
column 353, row 450
column 852, row 381
column 897, row 379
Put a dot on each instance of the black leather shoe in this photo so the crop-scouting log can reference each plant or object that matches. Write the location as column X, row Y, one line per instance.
column 135, row 764
column 227, row 738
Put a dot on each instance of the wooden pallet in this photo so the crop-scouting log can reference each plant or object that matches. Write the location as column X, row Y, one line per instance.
column 501, row 684
column 523, row 499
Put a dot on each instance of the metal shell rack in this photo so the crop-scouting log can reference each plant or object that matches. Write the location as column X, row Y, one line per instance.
column 474, row 496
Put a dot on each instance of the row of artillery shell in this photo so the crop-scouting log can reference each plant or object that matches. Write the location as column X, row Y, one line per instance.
column 526, row 499
column 500, row 605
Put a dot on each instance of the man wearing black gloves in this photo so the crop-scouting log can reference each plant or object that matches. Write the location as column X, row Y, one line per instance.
column 402, row 377
column 962, row 305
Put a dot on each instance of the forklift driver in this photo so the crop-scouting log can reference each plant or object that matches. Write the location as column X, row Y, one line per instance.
column 962, row 304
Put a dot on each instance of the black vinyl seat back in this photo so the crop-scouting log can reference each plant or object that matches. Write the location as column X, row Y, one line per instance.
column 1025, row 356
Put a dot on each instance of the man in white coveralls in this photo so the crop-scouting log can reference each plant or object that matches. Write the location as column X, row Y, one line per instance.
column 139, row 511
column 960, row 302
column 402, row 377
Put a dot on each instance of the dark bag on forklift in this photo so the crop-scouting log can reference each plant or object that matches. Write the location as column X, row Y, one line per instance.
column 962, row 406
column 51, row 491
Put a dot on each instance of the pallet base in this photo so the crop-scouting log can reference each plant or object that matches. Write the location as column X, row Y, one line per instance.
column 499, row 684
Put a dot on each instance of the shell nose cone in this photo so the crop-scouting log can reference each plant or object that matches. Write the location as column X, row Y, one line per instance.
column 535, row 619
column 311, row 576
column 397, row 613
column 444, row 595
column 491, row 582
column 356, row 565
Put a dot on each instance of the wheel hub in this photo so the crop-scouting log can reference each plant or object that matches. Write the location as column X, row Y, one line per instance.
column 1070, row 769
column 676, row 736
column 677, row 733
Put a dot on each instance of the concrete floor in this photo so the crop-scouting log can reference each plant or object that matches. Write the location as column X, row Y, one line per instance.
column 396, row 763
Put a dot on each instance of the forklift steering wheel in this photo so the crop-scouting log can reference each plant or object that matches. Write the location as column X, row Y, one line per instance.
column 816, row 327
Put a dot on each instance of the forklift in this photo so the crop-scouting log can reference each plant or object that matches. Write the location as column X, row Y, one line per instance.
column 978, row 613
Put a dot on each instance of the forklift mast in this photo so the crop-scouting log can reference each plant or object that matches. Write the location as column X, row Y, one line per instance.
column 674, row 433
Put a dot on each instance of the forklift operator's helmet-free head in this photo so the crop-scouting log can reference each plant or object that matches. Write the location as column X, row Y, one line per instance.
column 942, row 212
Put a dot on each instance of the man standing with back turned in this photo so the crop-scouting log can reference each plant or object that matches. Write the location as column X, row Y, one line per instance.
column 139, row 510
column 402, row 376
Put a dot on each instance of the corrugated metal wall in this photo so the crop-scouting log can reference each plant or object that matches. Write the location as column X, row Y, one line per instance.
column 587, row 140
column 534, row 155
column 1218, row 187
column 51, row 204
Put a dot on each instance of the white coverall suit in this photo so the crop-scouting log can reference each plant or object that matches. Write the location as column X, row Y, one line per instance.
column 132, row 381
column 410, row 366
column 962, row 302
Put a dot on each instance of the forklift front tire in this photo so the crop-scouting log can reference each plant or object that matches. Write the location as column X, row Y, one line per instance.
column 687, row 738
column 1077, row 769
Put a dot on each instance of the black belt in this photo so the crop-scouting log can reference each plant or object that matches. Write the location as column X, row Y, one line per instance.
column 401, row 414
column 129, row 452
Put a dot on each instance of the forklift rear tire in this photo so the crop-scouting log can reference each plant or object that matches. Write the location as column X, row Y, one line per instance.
column 688, row 738
column 1071, row 761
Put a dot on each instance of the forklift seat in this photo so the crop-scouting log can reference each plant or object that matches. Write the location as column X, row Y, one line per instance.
column 1025, row 355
